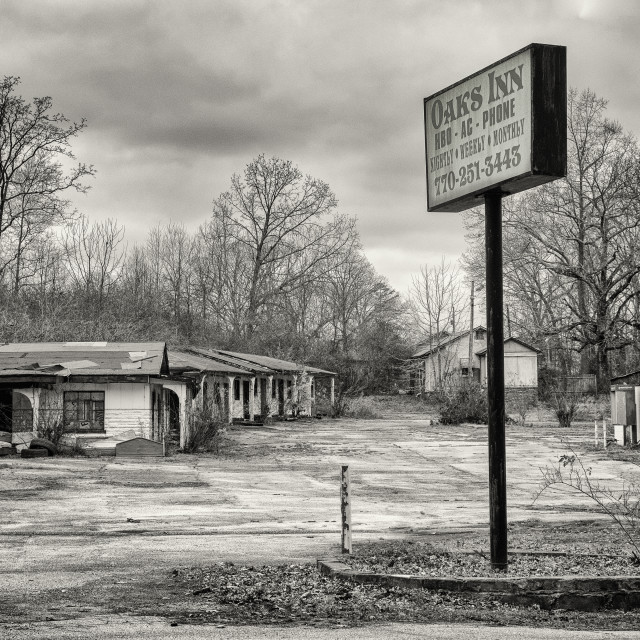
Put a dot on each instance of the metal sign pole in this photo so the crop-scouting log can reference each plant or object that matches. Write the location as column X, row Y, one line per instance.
column 495, row 381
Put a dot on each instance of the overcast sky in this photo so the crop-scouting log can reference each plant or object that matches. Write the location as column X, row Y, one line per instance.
column 181, row 94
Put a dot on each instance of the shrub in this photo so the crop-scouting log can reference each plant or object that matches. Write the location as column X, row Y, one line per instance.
column 548, row 382
column 621, row 505
column 521, row 403
column 206, row 431
column 49, row 423
column 464, row 403
column 360, row 407
column 363, row 408
column 565, row 406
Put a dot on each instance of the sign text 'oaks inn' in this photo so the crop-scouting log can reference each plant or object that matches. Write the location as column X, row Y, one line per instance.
column 503, row 128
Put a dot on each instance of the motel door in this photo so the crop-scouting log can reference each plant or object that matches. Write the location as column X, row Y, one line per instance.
column 280, row 397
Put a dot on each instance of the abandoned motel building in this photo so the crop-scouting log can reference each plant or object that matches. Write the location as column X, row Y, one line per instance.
column 111, row 389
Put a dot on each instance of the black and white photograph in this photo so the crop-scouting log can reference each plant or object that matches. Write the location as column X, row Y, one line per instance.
column 319, row 320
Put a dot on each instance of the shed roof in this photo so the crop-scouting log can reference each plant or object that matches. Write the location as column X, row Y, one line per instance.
column 84, row 358
column 481, row 352
column 425, row 350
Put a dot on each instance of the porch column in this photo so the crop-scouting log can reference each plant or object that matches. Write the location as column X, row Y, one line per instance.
column 230, row 407
column 295, row 395
column 309, row 396
column 181, row 390
column 333, row 391
column 252, row 386
column 203, row 400
column 269, row 394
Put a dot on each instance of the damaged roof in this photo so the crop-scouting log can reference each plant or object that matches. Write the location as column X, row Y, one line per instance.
column 276, row 364
column 183, row 362
column 245, row 363
column 84, row 358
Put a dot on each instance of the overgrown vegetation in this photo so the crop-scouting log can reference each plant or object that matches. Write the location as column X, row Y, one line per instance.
column 464, row 403
column 50, row 420
column 205, row 432
column 565, row 406
column 621, row 505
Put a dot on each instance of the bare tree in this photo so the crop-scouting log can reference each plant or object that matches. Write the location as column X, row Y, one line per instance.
column 34, row 142
column 573, row 243
column 277, row 214
column 438, row 302
column 94, row 258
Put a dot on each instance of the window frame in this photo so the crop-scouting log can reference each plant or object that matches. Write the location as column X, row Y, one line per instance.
column 88, row 414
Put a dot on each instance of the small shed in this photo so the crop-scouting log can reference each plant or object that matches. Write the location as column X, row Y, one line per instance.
column 520, row 364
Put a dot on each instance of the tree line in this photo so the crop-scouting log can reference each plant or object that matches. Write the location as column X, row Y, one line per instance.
column 571, row 260
column 275, row 269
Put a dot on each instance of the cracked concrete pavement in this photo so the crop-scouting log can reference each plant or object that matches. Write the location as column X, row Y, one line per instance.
column 271, row 497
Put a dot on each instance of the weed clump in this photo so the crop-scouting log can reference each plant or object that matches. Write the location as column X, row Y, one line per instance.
column 464, row 403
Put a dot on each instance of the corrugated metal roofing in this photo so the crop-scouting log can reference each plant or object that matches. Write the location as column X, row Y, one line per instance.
column 275, row 363
column 180, row 362
column 228, row 359
column 64, row 358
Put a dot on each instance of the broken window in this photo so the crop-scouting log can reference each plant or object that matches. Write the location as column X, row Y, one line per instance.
column 84, row 410
column 236, row 389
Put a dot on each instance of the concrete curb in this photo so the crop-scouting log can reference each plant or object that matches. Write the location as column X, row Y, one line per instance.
column 578, row 593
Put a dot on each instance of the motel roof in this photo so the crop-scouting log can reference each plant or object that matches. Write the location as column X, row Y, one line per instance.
column 64, row 359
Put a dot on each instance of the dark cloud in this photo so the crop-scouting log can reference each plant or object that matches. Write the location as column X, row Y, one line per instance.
column 180, row 95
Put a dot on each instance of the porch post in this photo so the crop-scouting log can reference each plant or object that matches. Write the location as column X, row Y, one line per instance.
column 269, row 394
column 230, row 399
column 309, row 397
column 252, row 385
column 333, row 391
column 295, row 395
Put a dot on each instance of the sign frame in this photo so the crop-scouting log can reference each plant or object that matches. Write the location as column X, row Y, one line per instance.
column 547, row 126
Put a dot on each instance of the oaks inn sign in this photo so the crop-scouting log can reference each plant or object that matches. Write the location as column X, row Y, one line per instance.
column 502, row 128
column 495, row 133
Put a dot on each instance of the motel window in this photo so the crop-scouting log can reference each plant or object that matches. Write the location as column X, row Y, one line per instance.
column 255, row 387
column 84, row 410
column 273, row 388
column 236, row 389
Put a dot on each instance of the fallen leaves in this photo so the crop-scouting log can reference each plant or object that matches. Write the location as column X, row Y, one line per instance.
column 419, row 559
